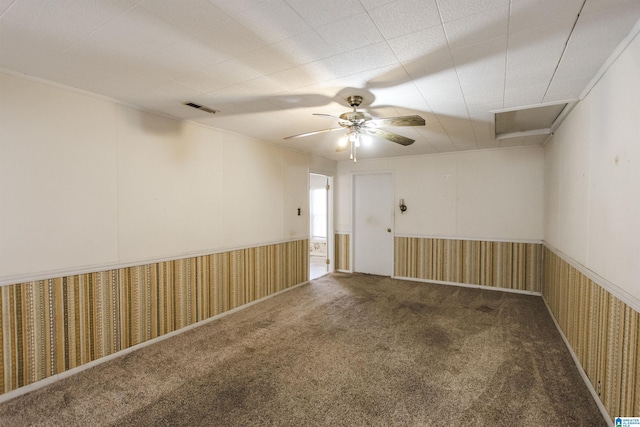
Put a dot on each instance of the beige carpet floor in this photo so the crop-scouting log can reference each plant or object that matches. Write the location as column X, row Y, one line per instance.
column 344, row 350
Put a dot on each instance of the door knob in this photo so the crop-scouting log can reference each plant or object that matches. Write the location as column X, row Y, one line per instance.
column 388, row 230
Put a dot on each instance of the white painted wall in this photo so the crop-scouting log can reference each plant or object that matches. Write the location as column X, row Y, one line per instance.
column 170, row 187
column 86, row 183
column 488, row 194
column 592, row 191
column 58, row 178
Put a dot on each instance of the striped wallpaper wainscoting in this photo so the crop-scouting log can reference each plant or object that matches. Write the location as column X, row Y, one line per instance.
column 50, row 326
column 342, row 252
column 603, row 332
column 507, row 265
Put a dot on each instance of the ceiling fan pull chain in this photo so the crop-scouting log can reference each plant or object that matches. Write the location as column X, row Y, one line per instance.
column 355, row 147
column 351, row 154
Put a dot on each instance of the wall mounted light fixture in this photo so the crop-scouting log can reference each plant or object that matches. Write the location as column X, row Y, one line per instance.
column 403, row 207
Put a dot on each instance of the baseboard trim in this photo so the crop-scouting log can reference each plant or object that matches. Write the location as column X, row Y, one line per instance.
column 57, row 377
column 466, row 285
column 583, row 374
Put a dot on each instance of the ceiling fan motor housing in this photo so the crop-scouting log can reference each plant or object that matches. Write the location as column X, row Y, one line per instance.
column 355, row 117
column 354, row 101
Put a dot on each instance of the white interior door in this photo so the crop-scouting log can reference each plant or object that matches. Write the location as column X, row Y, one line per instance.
column 321, row 238
column 319, row 219
column 373, row 223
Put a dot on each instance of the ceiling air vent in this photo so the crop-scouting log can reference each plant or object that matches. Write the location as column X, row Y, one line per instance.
column 201, row 107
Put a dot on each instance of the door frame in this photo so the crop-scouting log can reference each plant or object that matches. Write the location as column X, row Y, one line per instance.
column 330, row 231
column 352, row 249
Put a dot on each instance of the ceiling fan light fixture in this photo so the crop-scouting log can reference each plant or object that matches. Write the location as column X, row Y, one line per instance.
column 343, row 140
column 361, row 126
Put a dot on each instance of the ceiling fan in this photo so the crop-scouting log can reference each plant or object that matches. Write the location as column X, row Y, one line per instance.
column 361, row 124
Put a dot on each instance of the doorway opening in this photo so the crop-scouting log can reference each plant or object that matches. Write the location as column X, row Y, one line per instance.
column 320, row 225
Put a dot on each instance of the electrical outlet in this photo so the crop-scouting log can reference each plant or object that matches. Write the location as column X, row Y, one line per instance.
column 599, row 390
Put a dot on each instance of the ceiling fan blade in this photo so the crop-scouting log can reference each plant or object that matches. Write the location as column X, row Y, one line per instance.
column 326, row 115
column 398, row 121
column 339, row 148
column 394, row 137
column 300, row 135
column 341, row 121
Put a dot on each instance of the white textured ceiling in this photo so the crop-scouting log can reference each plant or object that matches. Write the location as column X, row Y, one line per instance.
column 267, row 65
